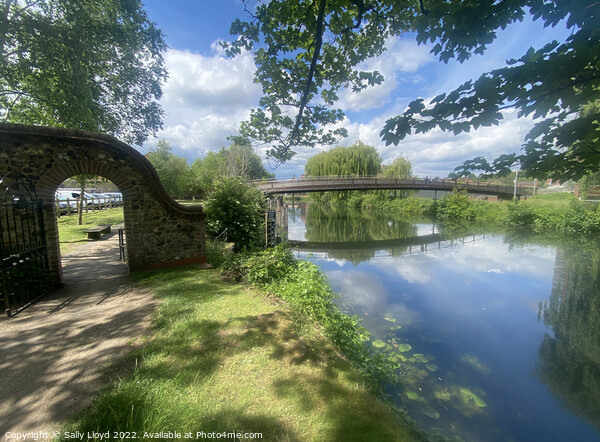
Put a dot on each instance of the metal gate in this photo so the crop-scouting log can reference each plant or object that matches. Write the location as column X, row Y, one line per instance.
column 26, row 274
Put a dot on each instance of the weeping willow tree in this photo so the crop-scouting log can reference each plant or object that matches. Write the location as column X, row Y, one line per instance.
column 400, row 168
column 358, row 160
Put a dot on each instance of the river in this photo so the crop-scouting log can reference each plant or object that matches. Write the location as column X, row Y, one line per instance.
column 495, row 338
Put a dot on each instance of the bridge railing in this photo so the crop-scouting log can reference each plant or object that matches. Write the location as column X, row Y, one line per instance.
column 374, row 182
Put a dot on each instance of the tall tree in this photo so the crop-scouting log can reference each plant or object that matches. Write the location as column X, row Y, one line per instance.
column 305, row 50
column 173, row 170
column 242, row 161
column 356, row 160
column 205, row 172
column 84, row 64
column 83, row 181
column 400, row 168
column 237, row 160
column 300, row 69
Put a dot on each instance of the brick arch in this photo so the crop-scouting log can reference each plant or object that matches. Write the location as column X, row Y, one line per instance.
column 160, row 232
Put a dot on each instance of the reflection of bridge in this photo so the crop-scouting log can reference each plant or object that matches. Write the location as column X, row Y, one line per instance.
column 415, row 245
column 326, row 184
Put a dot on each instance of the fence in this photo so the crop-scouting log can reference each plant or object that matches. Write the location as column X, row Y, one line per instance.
column 69, row 206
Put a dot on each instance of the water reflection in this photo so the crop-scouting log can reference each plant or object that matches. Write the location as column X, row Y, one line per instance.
column 478, row 329
column 356, row 236
column 569, row 361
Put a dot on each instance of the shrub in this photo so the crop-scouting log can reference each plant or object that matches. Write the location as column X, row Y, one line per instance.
column 520, row 214
column 483, row 211
column 216, row 252
column 580, row 220
column 410, row 206
column 454, row 207
column 271, row 265
column 238, row 207
column 548, row 220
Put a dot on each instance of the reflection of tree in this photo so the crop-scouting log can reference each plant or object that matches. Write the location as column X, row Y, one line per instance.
column 570, row 362
column 297, row 212
column 328, row 224
column 356, row 236
column 331, row 225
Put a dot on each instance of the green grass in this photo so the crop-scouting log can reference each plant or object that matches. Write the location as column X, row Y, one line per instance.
column 551, row 200
column 72, row 235
column 224, row 357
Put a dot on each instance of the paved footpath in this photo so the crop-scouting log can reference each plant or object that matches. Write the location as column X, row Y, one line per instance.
column 54, row 354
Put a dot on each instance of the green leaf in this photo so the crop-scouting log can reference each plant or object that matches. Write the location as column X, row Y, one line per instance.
column 413, row 396
column 404, row 347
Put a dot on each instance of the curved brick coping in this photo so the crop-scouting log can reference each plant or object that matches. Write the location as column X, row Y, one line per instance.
column 110, row 143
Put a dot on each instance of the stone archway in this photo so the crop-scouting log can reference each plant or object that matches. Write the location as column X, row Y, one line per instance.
column 160, row 232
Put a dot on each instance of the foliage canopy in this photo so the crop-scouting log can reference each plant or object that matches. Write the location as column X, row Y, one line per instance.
column 172, row 170
column 238, row 207
column 88, row 64
column 356, row 160
column 307, row 51
column 237, row 160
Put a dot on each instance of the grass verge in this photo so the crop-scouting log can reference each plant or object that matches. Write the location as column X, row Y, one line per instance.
column 72, row 235
column 225, row 358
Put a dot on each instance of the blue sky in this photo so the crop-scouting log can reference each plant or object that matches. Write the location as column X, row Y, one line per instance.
column 207, row 95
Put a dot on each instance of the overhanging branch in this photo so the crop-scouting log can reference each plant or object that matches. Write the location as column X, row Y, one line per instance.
column 313, row 66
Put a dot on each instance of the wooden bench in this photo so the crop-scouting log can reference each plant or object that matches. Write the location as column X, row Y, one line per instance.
column 98, row 231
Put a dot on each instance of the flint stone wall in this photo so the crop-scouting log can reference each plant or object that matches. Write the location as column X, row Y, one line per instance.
column 159, row 231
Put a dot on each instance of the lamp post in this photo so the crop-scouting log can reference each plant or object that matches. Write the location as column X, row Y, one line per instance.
column 516, row 179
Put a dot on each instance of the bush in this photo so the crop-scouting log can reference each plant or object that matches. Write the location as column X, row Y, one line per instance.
column 521, row 214
column 410, row 206
column 580, row 220
column 548, row 220
column 271, row 265
column 484, row 211
column 216, row 252
column 571, row 218
column 454, row 207
column 238, row 207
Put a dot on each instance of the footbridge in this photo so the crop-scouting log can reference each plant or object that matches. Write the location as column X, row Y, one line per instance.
column 327, row 184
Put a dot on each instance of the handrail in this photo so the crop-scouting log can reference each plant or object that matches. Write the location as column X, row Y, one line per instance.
column 224, row 232
column 383, row 181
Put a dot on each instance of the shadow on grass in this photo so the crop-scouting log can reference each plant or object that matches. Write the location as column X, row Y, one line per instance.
column 187, row 352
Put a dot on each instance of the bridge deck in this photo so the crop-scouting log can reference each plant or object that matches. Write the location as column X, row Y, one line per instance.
column 326, row 184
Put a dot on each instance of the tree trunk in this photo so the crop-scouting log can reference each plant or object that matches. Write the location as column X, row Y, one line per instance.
column 81, row 197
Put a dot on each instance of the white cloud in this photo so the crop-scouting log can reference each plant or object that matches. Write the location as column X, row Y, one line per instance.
column 206, row 98
column 436, row 153
column 401, row 56
column 216, row 82
column 360, row 289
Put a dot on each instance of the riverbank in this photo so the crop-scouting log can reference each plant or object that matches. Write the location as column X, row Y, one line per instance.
column 550, row 214
column 224, row 357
